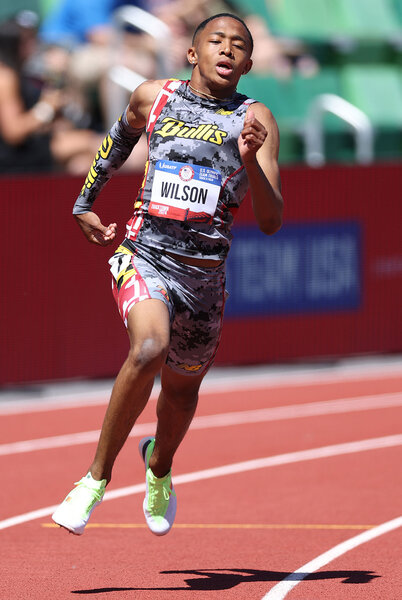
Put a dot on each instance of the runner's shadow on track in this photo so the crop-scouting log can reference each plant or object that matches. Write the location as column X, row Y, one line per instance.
column 225, row 579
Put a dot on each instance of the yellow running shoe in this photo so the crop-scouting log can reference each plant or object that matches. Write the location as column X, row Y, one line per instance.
column 73, row 513
column 160, row 501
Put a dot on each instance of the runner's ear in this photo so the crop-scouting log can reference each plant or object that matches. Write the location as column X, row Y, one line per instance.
column 192, row 56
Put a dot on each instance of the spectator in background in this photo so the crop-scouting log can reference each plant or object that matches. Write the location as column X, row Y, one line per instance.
column 34, row 134
column 84, row 33
column 71, row 23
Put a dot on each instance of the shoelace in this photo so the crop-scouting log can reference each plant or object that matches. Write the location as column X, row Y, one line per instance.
column 96, row 493
column 159, row 493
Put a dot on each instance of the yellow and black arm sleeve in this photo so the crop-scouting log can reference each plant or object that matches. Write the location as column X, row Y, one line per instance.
column 113, row 153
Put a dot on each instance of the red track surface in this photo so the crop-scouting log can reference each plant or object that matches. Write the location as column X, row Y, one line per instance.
column 259, row 526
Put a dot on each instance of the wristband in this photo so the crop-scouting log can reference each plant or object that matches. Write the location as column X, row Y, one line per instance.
column 44, row 111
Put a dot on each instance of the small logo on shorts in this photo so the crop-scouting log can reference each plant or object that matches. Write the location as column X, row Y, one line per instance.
column 163, row 292
column 186, row 173
column 191, row 368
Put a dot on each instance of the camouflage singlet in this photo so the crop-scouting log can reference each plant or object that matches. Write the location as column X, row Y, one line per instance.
column 194, row 179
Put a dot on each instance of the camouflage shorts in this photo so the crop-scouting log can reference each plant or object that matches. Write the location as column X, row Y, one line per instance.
column 194, row 296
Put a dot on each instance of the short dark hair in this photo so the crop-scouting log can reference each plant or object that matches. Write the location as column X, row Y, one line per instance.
column 204, row 23
column 10, row 43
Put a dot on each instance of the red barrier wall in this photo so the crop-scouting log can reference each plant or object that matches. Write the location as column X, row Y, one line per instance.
column 58, row 318
column 369, row 196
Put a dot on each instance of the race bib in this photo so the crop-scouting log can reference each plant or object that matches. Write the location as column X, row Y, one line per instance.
column 184, row 192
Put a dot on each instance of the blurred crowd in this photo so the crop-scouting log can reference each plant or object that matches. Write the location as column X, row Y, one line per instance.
column 57, row 95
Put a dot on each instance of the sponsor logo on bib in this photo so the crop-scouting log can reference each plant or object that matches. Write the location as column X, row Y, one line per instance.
column 186, row 173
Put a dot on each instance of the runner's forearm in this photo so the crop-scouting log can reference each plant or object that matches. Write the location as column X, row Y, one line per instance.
column 267, row 202
column 114, row 151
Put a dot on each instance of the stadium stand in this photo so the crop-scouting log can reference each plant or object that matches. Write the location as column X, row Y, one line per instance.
column 377, row 91
column 290, row 99
column 358, row 46
column 40, row 7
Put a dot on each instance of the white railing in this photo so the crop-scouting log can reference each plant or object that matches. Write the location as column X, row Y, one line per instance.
column 123, row 80
column 313, row 129
column 157, row 29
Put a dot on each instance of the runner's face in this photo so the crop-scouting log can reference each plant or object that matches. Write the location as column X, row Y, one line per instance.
column 222, row 52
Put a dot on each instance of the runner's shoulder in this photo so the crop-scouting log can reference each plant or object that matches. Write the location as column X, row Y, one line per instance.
column 260, row 110
column 263, row 114
column 148, row 90
column 141, row 101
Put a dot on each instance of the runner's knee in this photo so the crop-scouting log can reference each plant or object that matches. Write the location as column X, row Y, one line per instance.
column 149, row 355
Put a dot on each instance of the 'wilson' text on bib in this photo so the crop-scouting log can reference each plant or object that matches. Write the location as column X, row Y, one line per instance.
column 184, row 192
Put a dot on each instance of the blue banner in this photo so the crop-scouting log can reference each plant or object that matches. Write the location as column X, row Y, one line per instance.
column 305, row 267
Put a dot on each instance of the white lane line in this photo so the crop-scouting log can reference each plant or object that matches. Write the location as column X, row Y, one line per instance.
column 56, row 402
column 277, row 413
column 224, row 380
column 67, row 440
column 240, row 467
column 281, row 589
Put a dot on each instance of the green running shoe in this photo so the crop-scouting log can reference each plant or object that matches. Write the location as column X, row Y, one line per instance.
column 160, row 501
column 75, row 510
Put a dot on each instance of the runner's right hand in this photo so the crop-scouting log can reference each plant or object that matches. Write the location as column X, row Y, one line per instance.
column 94, row 231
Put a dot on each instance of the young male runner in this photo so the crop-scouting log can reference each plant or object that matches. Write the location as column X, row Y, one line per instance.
column 207, row 145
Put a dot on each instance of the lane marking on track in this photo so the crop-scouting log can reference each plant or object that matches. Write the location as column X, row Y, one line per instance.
column 276, row 413
column 219, row 526
column 231, row 380
column 240, row 467
column 281, row 590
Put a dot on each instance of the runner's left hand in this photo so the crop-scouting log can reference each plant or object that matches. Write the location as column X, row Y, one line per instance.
column 251, row 138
